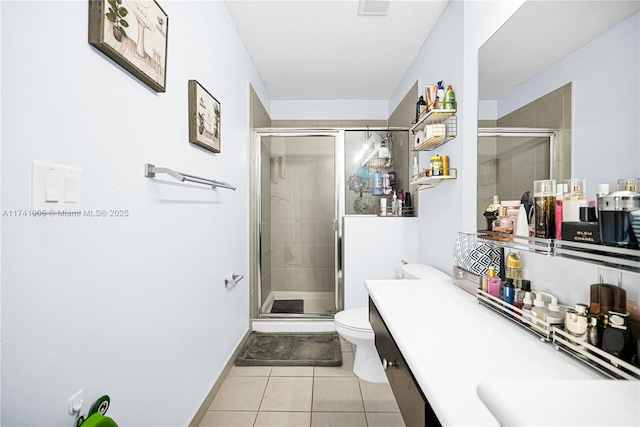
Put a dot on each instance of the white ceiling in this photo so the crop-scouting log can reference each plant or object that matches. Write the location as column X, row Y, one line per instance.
column 322, row 50
column 540, row 34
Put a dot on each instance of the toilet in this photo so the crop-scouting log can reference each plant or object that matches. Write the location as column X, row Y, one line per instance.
column 354, row 327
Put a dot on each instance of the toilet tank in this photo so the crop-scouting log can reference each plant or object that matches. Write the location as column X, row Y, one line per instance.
column 421, row 272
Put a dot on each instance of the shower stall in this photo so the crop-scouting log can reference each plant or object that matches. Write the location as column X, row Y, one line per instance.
column 298, row 232
column 509, row 160
column 300, row 191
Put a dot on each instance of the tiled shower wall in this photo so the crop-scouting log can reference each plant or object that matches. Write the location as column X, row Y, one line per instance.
column 504, row 168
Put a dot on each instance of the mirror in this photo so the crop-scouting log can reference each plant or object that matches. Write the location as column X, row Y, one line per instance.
column 546, row 68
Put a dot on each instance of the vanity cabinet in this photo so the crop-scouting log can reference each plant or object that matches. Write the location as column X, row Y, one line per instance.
column 413, row 405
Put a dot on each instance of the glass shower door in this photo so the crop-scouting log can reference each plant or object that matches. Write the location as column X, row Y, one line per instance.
column 298, row 207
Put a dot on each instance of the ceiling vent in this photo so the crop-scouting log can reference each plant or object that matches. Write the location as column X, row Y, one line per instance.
column 373, row 8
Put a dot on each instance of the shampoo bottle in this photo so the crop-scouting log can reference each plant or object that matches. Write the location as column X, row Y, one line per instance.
column 377, row 184
column 383, row 152
column 449, row 99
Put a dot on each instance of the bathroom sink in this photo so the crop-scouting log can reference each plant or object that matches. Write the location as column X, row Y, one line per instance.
column 562, row 402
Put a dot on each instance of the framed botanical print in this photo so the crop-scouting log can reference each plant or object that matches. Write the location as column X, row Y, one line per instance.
column 204, row 118
column 133, row 33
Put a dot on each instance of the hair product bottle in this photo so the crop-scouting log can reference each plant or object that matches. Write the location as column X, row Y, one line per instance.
column 544, row 205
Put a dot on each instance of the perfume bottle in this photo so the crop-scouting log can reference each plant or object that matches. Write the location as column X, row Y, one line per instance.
column 503, row 224
column 493, row 283
column 574, row 198
column 544, row 205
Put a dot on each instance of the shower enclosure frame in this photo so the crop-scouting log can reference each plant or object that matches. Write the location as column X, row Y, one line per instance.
column 339, row 212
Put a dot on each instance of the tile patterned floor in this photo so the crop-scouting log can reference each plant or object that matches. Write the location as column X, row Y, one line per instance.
column 304, row 396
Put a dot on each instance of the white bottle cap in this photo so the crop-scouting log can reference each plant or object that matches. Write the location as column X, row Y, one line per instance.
column 603, row 188
column 527, row 298
column 553, row 305
column 539, row 301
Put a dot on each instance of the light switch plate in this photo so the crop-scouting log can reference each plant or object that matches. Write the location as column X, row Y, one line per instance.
column 56, row 187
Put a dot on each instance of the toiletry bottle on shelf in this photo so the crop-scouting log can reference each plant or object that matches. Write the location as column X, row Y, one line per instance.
column 555, row 314
column 440, row 96
column 527, row 306
column 491, row 213
column 408, row 207
column 400, row 200
column 522, row 224
column 559, row 216
column 383, row 207
column 576, row 321
column 503, row 224
column 514, row 269
column 544, row 206
column 493, row 283
column 383, row 152
column 377, row 184
column 539, row 310
column 508, row 292
column 449, row 99
column 394, row 204
column 415, row 171
column 421, row 106
column 574, row 198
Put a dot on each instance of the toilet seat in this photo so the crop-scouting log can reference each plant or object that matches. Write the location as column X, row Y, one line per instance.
column 355, row 319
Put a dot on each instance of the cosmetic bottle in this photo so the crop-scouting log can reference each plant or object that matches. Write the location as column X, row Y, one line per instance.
column 574, row 198
column 449, row 99
column 400, row 201
column 527, row 306
column 394, row 204
column 522, row 224
column 383, row 152
column 555, row 314
column 539, row 311
column 383, row 207
column 576, row 321
column 503, row 224
column 491, row 213
column 386, row 184
column 377, row 184
column 421, row 106
column 440, row 96
column 512, row 211
column 544, row 205
column 514, row 269
column 493, row 283
column 508, row 292
column 560, row 190
column 415, row 171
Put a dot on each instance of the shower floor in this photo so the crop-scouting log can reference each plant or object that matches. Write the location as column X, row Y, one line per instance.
column 321, row 303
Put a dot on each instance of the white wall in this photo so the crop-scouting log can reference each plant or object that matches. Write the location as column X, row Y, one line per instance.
column 606, row 104
column 132, row 307
column 450, row 53
column 329, row 110
column 374, row 248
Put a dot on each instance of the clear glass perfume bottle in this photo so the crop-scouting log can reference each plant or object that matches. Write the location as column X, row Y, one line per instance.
column 574, row 197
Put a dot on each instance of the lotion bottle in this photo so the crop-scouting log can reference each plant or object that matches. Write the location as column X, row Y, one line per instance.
column 539, row 311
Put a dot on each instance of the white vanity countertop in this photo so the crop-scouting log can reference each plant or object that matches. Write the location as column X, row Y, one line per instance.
column 453, row 345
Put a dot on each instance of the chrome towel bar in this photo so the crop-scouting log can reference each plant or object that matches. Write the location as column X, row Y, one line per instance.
column 150, row 171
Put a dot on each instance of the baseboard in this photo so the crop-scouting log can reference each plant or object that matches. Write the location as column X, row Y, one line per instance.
column 293, row 325
column 202, row 411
